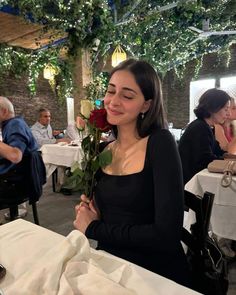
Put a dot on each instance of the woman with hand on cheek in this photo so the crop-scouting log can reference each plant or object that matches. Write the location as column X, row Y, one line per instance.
column 137, row 210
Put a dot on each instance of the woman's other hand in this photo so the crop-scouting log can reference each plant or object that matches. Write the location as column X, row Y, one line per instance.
column 85, row 214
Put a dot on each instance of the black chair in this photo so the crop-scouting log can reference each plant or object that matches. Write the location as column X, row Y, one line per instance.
column 23, row 183
column 207, row 263
column 13, row 209
column 202, row 206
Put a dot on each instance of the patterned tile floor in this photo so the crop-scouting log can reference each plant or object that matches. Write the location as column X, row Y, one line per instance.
column 56, row 212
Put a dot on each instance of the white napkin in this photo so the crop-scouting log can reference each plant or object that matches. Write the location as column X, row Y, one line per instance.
column 41, row 262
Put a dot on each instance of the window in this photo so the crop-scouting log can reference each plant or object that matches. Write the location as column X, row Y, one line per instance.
column 228, row 84
column 197, row 88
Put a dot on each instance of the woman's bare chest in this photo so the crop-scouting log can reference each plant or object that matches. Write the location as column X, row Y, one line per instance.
column 127, row 160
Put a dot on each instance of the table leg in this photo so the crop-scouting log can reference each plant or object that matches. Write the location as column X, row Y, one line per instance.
column 54, row 180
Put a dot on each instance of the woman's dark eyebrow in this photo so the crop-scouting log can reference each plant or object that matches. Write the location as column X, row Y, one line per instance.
column 125, row 88
column 129, row 89
column 110, row 84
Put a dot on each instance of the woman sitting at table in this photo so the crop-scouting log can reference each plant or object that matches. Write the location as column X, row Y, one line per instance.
column 137, row 211
column 198, row 146
column 225, row 132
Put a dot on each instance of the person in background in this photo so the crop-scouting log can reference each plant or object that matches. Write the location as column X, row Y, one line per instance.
column 198, row 146
column 225, row 135
column 225, row 132
column 137, row 210
column 74, row 128
column 17, row 140
column 72, row 132
column 42, row 129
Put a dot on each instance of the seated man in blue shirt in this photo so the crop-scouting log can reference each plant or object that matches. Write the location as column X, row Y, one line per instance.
column 17, row 141
column 42, row 130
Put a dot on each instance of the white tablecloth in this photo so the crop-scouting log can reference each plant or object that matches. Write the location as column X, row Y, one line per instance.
column 223, row 219
column 55, row 155
column 41, row 262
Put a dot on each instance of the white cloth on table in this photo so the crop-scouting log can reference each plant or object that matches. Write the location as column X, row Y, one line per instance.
column 60, row 154
column 223, row 217
column 55, row 265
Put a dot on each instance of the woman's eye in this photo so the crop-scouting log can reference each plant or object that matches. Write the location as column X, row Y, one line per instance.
column 110, row 91
column 128, row 97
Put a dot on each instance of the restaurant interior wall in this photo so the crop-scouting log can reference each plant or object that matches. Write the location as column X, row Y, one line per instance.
column 176, row 91
column 27, row 106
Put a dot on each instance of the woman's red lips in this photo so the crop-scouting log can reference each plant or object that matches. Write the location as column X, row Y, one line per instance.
column 114, row 112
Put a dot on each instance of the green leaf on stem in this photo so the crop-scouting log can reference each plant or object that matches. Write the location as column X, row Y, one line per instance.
column 95, row 164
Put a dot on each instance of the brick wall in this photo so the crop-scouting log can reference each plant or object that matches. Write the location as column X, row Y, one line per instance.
column 16, row 90
column 176, row 92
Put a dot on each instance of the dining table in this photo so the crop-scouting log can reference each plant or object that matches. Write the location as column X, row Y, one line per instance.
column 60, row 154
column 57, row 157
column 223, row 217
column 40, row 261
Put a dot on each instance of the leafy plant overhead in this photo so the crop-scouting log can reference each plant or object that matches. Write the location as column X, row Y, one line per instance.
column 97, row 88
column 160, row 36
column 19, row 62
column 163, row 37
column 83, row 20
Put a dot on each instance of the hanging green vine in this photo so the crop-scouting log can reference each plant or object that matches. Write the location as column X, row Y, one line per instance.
column 20, row 62
column 164, row 38
column 97, row 88
column 84, row 21
column 198, row 66
column 64, row 81
column 224, row 56
column 161, row 37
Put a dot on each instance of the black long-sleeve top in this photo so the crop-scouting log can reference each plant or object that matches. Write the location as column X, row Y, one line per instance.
column 198, row 147
column 142, row 213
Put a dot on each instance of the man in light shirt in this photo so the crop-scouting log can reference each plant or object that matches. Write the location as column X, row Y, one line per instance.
column 42, row 130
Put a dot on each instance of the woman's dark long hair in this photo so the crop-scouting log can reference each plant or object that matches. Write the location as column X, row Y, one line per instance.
column 150, row 85
column 211, row 102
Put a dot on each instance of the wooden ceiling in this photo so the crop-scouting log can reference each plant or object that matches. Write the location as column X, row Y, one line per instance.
column 15, row 31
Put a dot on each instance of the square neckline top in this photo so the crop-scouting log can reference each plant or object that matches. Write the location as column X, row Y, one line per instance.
column 134, row 173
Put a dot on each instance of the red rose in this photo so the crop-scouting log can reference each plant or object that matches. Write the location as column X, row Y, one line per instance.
column 98, row 118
